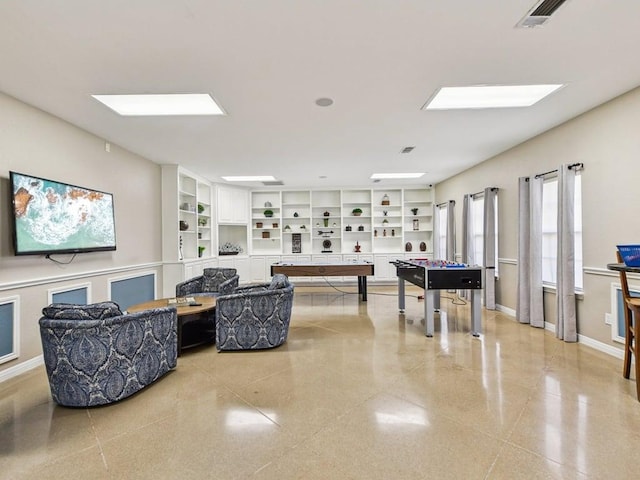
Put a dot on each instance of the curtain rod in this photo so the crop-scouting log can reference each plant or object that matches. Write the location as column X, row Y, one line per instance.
column 444, row 203
column 481, row 192
column 573, row 165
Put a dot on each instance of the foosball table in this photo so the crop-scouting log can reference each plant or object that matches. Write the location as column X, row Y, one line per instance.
column 435, row 275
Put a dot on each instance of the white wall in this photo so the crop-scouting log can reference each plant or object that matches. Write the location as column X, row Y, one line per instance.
column 34, row 142
column 606, row 140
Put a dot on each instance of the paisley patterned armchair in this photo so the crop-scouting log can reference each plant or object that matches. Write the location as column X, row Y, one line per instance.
column 95, row 354
column 212, row 282
column 254, row 316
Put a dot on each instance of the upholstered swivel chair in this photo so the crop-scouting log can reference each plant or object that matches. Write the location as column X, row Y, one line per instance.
column 254, row 316
column 631, row 329
column 212, row 282
column 95, row 354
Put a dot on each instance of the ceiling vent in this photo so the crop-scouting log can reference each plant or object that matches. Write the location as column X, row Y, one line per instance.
column 540, row 13
column 407, row 150
column 273, row 183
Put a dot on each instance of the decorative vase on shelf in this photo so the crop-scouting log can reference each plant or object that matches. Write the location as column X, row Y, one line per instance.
column 414, row 211
column 183, row 225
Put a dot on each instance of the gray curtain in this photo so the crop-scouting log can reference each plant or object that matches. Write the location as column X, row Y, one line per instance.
column 468, row 252
column 524, row 222
column 436, row 232
column 536, row 303
column 451, row 232
column 530, row 307
column 566, row 328
column 489, row 250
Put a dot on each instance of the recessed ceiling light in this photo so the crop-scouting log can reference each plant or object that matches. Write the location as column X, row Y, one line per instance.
column 396, row 175
column 324, row 102
column 250, row 178
column 489, row 96
column 161, row 104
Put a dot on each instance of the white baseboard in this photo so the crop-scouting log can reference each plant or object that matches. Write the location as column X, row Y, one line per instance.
column 21, row 368
column 507, row 310
column 601, row 347
column 588, row 341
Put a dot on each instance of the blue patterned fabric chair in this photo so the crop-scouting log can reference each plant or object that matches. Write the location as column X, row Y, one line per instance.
column 94, row 354
column 254, row 316
column 212, row 282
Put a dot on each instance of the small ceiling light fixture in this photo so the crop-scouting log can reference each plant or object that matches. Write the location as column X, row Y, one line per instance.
column 249, row 178
column 395, row 175
column 161, row 104
column 489, row 96
column 324, row 102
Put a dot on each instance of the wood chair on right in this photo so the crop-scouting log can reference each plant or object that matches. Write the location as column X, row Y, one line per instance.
column 631, row 329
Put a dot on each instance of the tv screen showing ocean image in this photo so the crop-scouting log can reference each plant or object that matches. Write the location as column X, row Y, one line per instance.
column 56, row 217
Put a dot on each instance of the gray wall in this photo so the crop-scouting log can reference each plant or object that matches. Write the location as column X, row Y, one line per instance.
column 34, row 142
column 606, row 140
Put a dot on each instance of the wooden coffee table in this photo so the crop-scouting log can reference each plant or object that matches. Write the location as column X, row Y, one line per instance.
column 188, row 314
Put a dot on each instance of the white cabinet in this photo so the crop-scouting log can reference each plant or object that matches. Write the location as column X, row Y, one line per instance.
column 233, row 217
column 326, row 216
column 266, row 224
column 418, row 221
column 233, row 205
column 387, row 220
column 241, row 264
column 187, row 218
column 296, row 222
column 357, row 231
column 383, row 270
column 261, row 267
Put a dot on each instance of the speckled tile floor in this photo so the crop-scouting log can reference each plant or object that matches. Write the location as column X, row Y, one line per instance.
column 357, row 392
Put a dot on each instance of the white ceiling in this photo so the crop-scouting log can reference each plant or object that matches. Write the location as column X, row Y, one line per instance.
column 267, row 61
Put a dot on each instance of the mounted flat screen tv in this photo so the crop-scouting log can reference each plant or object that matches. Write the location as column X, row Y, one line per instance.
column 56, row 217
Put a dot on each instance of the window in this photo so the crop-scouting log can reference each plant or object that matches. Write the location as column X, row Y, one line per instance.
column 477, row 216
column 550, row 231
column 441, row 254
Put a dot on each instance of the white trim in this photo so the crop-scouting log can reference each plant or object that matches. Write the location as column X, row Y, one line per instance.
column 111, row 280
column 506, row 310
column 615, row 321
column 15, row 353
column 21, row 368
column 600, row 346
column 588, row 341
column 52, row 291
column 75, row 276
